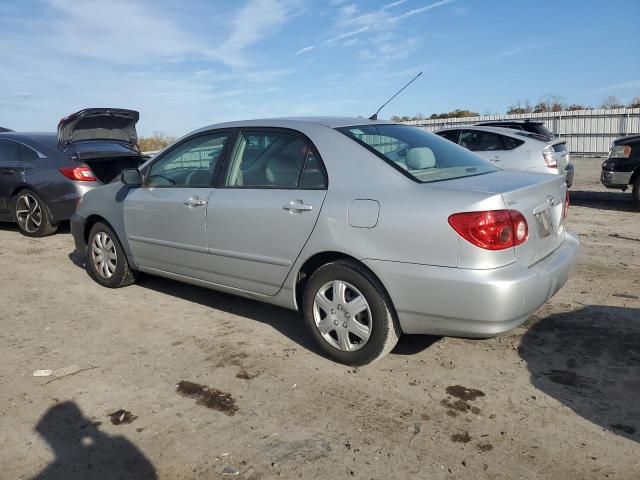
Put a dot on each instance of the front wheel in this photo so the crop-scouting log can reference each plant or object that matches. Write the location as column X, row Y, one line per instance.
column 349, row 313
column 636, row 191
column 108, row 263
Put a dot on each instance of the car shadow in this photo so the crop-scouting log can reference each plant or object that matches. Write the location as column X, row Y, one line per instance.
column 63, row 229
column 82, row 451
column 589, row 360
column 614, row 200
column 287, row 322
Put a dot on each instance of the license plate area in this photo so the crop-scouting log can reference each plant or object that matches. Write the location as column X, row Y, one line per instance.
column 544, row 223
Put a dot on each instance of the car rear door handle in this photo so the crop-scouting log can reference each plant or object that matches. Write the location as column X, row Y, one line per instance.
column 195, row 202
column 297, row 206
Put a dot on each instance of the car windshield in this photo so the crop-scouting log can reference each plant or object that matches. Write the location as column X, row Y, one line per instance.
column 422, row 156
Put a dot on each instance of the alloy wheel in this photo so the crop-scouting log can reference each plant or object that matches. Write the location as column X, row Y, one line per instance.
column 342, row 315
column 104, row 255
column 28, row 213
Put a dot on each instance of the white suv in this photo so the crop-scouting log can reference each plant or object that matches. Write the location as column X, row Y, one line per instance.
column 513, row 149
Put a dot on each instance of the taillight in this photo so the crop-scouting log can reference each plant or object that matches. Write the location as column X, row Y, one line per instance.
column 492, row 229
column 81, row 174
column 565, row 210
column 549, row 157
column 620, row 151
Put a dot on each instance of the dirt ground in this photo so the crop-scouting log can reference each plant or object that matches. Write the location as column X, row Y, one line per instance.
column 208, row 381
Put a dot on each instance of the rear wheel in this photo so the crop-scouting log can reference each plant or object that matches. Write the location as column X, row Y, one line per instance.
column 107, row 261
column 349, row 313
column 31, row 215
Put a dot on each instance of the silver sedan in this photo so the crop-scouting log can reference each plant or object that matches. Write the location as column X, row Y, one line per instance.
column 370, row 229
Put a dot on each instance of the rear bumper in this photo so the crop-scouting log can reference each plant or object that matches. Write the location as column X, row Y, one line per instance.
column 612, row 179
column 63, row 205
column 473, row 303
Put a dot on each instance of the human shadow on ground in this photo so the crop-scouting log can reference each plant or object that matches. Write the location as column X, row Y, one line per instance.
column 589, row 360
column 83, row 452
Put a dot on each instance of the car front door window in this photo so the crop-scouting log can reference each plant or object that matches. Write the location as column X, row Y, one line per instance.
column 191, row 164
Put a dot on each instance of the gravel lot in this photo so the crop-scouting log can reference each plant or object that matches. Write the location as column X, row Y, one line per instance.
column 556, row 398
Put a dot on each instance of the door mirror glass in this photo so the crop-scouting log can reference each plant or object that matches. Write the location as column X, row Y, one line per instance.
column 131, row 177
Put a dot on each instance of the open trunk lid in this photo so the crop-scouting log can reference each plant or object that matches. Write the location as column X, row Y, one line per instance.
column 115, row 124
column 539, row 197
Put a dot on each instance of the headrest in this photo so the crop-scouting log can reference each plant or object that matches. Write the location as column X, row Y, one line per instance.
column 419, row 158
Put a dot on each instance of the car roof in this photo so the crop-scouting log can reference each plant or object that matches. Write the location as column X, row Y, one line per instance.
column 288, row 122
column 501, row 130
column 515, row 121
column 48, row 138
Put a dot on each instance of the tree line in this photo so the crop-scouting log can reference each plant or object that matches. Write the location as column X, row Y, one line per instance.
column 547, row 103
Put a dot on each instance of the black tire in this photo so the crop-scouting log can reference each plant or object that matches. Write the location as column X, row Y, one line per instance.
column 384, row 329
column 636, row 192
column 121, row 275
column 27, row 199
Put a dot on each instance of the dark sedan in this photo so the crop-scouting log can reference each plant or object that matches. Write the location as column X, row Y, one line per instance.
column 43, row 175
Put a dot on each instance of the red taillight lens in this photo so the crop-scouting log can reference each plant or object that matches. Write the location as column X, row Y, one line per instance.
column 565, row 210
column 549, row 157
column 492, row 229
column 81, row 174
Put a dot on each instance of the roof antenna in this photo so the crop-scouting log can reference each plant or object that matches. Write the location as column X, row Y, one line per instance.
column 375, row 115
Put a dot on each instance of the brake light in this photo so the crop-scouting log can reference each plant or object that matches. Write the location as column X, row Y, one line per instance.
column 565, row 210
column 492, row 229
column 81, row 174
column 549, row 157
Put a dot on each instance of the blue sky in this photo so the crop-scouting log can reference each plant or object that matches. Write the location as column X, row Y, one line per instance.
column 188, row 63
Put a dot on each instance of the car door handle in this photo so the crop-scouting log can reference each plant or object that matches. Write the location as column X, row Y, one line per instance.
column 195, row 202
column 297, row 206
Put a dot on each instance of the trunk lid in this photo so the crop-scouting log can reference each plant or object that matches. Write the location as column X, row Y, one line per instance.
column 539, row 197
column 108, row 124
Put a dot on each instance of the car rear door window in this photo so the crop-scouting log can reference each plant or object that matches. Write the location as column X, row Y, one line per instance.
column 509, row 143
column 274, row 160
column 480, row 141
column 9, row 151
column 451, row 135
column 190, row 164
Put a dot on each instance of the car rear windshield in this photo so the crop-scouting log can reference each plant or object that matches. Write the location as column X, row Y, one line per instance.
column 422, row 156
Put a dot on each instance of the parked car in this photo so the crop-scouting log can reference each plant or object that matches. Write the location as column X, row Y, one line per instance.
column 43, row 175
column 622, row 168
column 516, row 150
column 530, row 126
column 370, row 229
column 2, row 129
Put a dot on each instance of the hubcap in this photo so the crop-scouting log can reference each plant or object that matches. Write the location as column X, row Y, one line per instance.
column 342, row 315
column 28, row 213
column 103, row 255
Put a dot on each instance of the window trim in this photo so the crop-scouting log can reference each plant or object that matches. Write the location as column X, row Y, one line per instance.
column 286, row 131
column 343, row 131
column 216, row 171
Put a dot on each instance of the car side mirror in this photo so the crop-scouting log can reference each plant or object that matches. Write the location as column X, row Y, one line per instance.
column 131, row 177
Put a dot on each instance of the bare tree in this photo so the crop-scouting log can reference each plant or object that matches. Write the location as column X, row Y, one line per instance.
column 635, row 103
column 611, row 102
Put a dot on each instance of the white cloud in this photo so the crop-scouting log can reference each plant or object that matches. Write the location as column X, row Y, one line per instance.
column 305, row 50
column 253, row 22
column 118, row 31
column 419, row 10
column 621, row 86
column 393, row 4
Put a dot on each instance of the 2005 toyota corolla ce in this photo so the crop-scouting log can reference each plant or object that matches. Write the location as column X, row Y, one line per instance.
column 371, row 229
